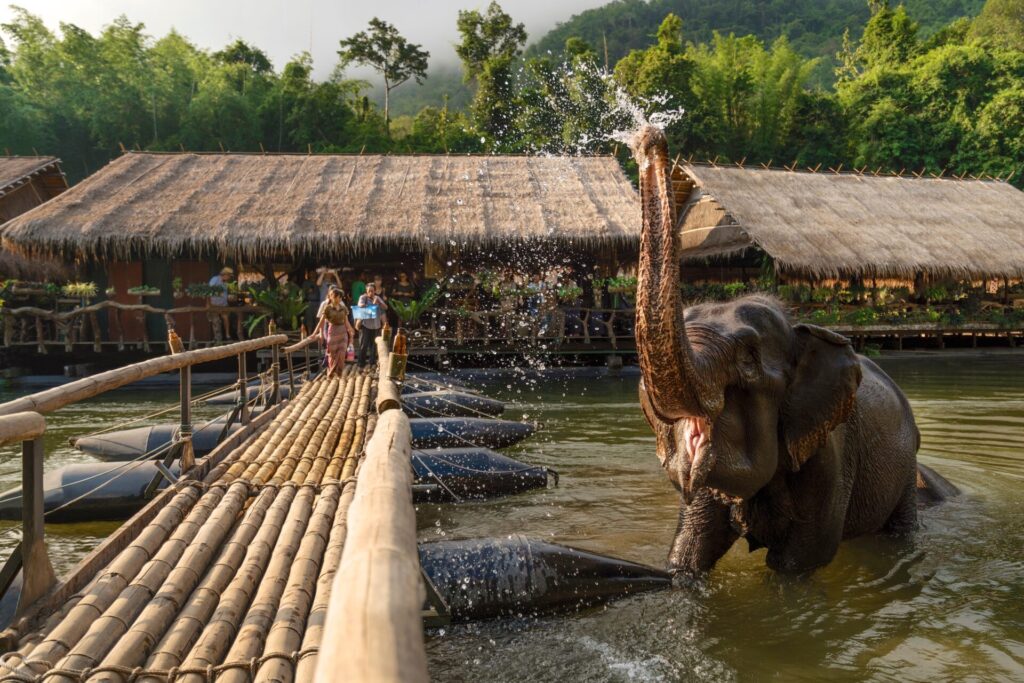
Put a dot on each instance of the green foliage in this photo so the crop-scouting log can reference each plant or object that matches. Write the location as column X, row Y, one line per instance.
column 286, row 305
column 486, row 37
column 395, row 58
column 79, row 290
column 824, row 316
column 489, row 46
column 1001, row 23
column 144, row 290
column 202, row 290
column 412, row 311
column 815, row 27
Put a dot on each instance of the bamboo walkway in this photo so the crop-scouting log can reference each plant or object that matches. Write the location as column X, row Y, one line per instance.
column 231, row 579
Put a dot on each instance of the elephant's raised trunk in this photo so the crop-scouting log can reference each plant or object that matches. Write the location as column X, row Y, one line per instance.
column 670, row 369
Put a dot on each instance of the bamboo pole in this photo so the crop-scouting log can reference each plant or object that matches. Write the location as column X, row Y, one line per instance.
column 188, row 625
column 289, row 621
column 260, row 574
column 108, row 585
column 313, row 633
column 377, row 592
column 154, row 619
column 58, row 397
column 21, row 427
column 112, row 624
column 388, row 397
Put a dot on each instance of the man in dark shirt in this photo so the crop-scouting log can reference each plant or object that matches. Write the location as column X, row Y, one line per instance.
column 369, row 328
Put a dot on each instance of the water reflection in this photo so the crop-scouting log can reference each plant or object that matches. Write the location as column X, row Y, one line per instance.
column 944, row 605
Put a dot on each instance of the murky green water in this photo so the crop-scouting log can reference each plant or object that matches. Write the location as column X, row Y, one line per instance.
column 947, row 606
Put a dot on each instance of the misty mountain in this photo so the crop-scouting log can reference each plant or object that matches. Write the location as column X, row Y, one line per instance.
column 814, row 27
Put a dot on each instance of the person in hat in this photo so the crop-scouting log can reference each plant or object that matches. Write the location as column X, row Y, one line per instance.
column 336, row 329
column 222, row 318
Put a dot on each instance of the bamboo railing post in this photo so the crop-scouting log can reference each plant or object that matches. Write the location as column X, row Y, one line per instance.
column 291, row 373
column 388, row 395
column 243, row 391
column 38, row 572
column 275, row 373
column 305, row 351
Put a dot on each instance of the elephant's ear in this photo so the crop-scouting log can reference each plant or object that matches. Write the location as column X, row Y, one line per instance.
column 821, row 392
column 666, row 445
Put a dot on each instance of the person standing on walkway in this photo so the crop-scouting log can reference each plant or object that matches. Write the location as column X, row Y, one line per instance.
column 336, row 330
column 221, row 319
column 369, row 328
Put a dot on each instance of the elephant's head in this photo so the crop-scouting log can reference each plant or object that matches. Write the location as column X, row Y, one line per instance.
column 734, row 391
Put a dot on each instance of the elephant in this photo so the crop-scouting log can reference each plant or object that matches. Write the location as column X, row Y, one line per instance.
column 772, row 431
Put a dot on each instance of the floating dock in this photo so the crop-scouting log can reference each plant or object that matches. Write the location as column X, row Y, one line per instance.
column 233, row 572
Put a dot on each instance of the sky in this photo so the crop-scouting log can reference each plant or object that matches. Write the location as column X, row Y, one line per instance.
column 283, row 28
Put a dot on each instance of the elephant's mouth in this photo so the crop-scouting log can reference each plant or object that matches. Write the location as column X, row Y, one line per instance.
column 699, row 455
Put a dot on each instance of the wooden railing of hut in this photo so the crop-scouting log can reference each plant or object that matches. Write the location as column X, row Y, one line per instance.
column 41, row 327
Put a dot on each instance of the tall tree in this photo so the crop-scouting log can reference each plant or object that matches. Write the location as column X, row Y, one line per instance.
column 1002, row 23
column 490, row 44
column 384, row 49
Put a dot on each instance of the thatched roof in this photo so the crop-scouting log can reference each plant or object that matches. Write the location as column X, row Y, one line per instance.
column 16, row 171
column 251, row 205
column 828, row 224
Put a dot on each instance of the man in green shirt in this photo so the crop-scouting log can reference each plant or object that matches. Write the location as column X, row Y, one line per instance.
column 359, row 285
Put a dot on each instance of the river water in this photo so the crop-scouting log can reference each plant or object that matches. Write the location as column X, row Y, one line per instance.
column 947, row 605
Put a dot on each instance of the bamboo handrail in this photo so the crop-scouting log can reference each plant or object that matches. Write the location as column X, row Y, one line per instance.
column 58, row 397
column 23, row 426
column 374, row 629
column 301, row 344
column 377, row 592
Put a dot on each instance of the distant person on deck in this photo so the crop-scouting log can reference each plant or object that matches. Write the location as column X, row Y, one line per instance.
column 312, row 295
column 222, row 319
column 328, row 277
column 369, row 329
column 337, row 331
column 404, row 290
column 359, row 285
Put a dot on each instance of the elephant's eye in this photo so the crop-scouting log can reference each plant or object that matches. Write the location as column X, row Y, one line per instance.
column 749, row 365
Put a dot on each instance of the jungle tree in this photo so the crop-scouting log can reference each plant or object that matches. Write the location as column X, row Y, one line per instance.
column 384, row 49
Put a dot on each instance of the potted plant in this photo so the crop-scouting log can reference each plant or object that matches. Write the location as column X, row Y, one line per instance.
column 177, row 286
column 410, row 312
column 144, row 290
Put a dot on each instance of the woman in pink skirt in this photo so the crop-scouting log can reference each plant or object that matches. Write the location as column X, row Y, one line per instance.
column 336, row 329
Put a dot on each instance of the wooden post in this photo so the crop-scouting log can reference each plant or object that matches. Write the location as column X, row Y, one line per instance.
column 291, row 374
column 374, row 628
column 185, row 428
column 275, row 373
column 388, row 397
column 243, row 391
column 38, row 572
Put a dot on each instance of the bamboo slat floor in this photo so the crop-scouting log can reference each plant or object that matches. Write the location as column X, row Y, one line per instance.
column 231, row 580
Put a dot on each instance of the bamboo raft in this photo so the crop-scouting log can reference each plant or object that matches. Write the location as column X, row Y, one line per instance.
column 230, row 575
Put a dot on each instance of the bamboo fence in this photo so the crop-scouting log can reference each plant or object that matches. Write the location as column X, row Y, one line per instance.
column 231, row 579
